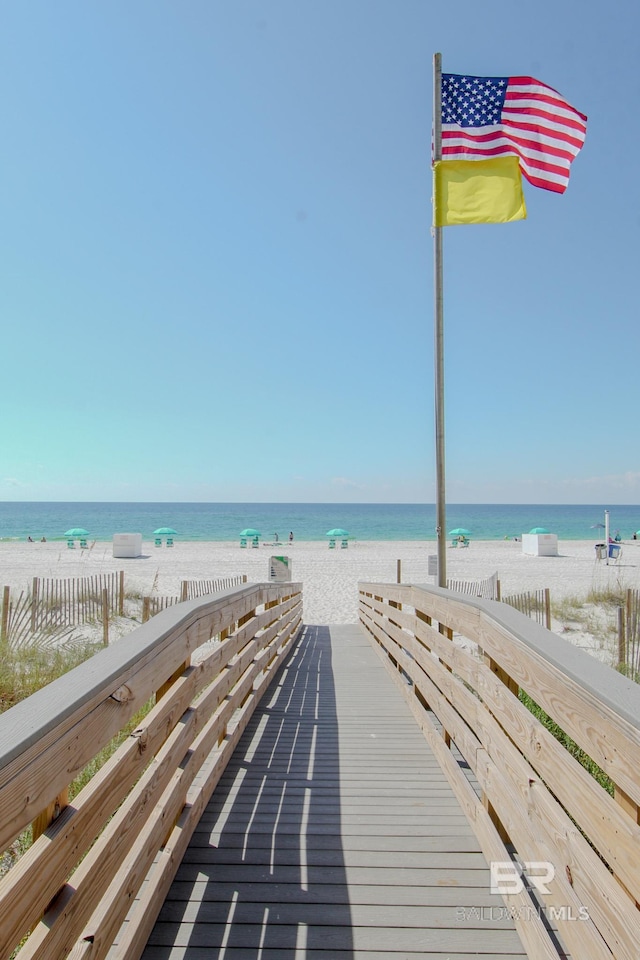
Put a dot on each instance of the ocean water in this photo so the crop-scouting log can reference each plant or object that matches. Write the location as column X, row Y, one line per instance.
column 310, row 521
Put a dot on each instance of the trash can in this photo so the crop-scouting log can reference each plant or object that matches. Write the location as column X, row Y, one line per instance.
column 601, row 551
column 614, row 550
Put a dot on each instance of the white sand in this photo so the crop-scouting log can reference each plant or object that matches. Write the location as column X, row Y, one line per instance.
column 329, row 577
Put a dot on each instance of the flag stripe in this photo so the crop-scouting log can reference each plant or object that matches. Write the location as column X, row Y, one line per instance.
column 451, row 142
column 527, row 119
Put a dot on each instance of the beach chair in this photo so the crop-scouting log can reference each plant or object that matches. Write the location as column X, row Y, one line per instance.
column 169, row 541
column 158, row 541
column 454, row 543
column 344, row 544
column 255, row 542
column 464, row 542
column 332, row 544
column 243, row 542
column 71, row 544
column 83, row 544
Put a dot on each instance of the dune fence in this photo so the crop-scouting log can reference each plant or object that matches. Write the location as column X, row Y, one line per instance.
column 190, row 590
column 56, row 606
column 629, row 634
column 487, row 589
column 535, row 604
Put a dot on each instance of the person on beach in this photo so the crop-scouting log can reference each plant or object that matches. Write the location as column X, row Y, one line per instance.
column 291, row 536
column 275, row 537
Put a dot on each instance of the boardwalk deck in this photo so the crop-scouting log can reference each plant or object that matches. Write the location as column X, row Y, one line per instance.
column 334, row 833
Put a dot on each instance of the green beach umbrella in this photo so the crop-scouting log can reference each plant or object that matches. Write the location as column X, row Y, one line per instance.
column 77, row 532
column 538, row 530
column 459, row 532
column 164, row 531
column 337, row 532
column 250, row 532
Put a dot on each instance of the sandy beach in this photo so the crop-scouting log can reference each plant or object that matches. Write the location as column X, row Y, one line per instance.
column 330, row 577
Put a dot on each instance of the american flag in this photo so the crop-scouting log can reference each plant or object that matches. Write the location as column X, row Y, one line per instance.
column 484, row 117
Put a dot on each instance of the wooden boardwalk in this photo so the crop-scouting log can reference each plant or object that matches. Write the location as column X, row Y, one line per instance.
column 333, row 833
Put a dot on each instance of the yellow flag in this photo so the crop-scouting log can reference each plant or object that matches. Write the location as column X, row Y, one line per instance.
column 477, row 191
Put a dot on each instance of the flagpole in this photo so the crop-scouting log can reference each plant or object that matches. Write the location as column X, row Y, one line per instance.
column 439, row 337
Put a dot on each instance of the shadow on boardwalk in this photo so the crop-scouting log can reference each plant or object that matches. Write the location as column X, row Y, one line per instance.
column 266, row 865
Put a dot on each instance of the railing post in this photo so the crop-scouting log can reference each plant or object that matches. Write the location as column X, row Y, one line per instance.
column 51, row 813
column 162, row 689
column 632, row 809
column 146, row 604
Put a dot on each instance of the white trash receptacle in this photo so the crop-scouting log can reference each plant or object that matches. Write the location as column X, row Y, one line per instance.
column 540, row 544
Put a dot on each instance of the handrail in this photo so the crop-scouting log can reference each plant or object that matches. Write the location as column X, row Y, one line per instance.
column 134, row 818
column 462, row 663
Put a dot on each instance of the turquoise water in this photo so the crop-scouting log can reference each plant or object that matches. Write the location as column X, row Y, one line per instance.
column 309, row 521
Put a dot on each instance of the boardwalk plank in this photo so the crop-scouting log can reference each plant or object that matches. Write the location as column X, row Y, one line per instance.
column 333, row 833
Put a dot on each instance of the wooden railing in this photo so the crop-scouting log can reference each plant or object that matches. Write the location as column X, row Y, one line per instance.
column 464, row 666
column 111, row 853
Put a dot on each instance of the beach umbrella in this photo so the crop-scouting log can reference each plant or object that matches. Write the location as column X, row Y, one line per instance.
column 77, row 532
column 459, row 532
column 337, row 532
column 538, row 530
column 250, row 532
column 164, row 532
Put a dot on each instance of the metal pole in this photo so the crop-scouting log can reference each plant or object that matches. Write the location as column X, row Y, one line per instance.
column 606, row 535
column 439, row 337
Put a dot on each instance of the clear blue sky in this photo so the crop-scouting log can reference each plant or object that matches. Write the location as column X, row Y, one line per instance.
column 216, row 263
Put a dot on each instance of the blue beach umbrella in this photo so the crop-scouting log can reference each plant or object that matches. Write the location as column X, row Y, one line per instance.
column 250, row 532
column 460, row 532
column 337, row 532
column 164, row 531
column 77, row 532
column 538, row 530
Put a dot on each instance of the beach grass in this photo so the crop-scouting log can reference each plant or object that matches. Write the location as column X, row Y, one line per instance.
column 570, row 745
column 27, row 667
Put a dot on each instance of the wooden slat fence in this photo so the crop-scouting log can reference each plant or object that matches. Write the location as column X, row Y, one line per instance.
column 112, row 854
column 629, row 634
column 189, row 590
column 535, row 604
column 52, row 606
column 537, row 811
column 192, row 589
column 151, row 606
column 489, row 588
